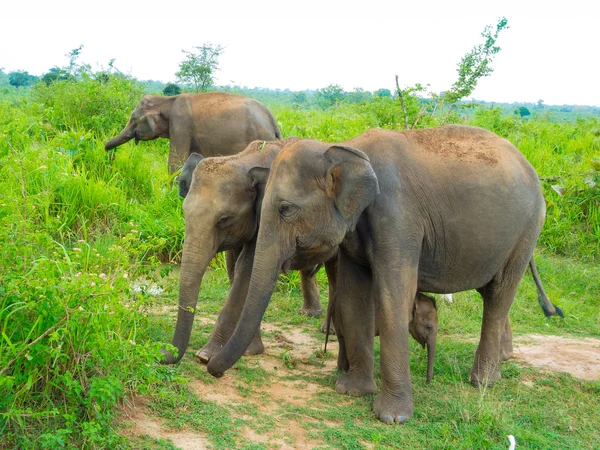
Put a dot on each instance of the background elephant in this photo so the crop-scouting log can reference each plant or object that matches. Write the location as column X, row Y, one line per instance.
column 438, row 210
column 212, row 124
column 221, row 208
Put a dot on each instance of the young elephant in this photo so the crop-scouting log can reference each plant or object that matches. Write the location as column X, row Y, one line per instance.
column 221, row 208
column 436, row 210
column 423, row 327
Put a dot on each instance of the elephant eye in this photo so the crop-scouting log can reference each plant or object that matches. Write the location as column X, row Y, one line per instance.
column 223, row 222
column 287, row 210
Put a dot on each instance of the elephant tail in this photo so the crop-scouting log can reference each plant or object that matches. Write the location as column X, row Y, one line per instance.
column 547, row 306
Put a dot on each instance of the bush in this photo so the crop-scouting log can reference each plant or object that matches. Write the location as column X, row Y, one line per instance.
column 100, row 107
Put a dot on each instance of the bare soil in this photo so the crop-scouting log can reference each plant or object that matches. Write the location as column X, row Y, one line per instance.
column 579, row 357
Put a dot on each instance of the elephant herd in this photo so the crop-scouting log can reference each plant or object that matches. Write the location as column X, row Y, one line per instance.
column 390, row 214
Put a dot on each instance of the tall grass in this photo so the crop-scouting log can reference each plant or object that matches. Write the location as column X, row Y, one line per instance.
column 77, row 225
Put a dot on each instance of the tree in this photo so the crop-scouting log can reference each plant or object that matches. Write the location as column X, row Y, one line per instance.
column 299, row 98
column 540, row 104
column 171, row 89
column 358, row 95
column 474, row 65
column 330, row 95
column 21, row 78
column 477, row 63
column 199, row 67
column 56, row 74
column 383, row 93
column 522, row 111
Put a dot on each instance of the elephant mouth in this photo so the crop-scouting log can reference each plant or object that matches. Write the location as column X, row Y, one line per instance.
column 136, row 138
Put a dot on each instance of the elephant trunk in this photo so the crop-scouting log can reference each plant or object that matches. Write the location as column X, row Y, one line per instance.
column 431, row 344
column 126, row 135
column 197, row 255
column 267, row 265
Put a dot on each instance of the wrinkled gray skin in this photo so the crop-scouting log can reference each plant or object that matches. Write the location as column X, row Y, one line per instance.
column 437, row 210
column 212, row 124
column 221, row 209
column 423, row 327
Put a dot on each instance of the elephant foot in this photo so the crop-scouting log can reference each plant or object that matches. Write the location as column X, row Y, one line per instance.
column 311, row 312
column 506, row 352
column 485, row 375
column 355, row 385
column 214, row 346
column 256, row 347
column 331, row 328
column 211, row 348
column 390, row 409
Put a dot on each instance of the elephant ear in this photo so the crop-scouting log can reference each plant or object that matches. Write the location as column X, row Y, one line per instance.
column 258, row 181
column 350, row 181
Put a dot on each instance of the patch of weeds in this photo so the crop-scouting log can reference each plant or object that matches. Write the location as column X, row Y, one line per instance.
column 288, row 359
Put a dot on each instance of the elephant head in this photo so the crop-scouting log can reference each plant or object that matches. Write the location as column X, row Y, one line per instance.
column 424, row 327
column 314, row 196
column 221, row 209
column 149, row 120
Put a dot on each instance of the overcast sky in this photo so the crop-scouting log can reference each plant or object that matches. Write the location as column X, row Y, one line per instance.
column 550, row 52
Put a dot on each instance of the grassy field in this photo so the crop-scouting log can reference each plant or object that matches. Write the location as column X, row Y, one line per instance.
column 89, row 290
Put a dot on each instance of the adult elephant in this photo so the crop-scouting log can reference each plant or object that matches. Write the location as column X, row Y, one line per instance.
column 212, row 124
column 437, row 210
column 221, row 208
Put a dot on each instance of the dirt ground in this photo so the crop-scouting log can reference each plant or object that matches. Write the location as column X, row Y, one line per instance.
column 579, row 357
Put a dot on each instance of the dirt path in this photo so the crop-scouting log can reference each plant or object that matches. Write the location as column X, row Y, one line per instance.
column 289, row 390
column 579, row 357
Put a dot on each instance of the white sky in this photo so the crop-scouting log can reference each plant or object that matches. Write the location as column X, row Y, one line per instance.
column 550, row 52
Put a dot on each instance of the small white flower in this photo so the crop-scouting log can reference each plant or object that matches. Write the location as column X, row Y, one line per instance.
column 76, row 249
column 125, row 275
column 132, row 342
column 103, row 276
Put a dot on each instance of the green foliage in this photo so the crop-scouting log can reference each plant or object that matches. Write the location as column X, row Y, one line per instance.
column 476, row 64
column 522, row 111
column 199, row 66
column 383, row 93
column 21, row 78
column 56, row 74
column 171, row 89
column 100, row 107
column 330, row 95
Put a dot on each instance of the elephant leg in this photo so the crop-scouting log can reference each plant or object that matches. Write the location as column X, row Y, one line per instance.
column 231, row 257
column 232, row 309
column 395, row 274
column 496, row 338
column 331, row 271
column 506, row 347
column 311, row 305
column 354, row 316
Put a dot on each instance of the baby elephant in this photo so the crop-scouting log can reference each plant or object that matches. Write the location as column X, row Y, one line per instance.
column 423, row 327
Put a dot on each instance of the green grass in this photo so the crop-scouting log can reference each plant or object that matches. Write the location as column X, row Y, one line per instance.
column 77, row 226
